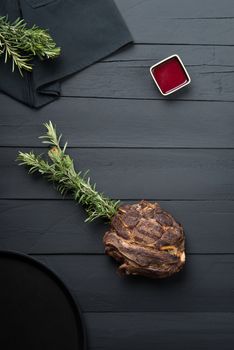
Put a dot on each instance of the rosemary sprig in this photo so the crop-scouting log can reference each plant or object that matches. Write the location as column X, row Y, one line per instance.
column 60, row 170
column 21, row 43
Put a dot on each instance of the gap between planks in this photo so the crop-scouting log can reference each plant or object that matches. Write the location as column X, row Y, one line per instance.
column 122, row 199
column 123, row 147
column 103, row 254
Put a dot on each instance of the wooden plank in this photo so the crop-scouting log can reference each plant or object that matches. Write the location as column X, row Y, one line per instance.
column 167, row 8
column 58, row 226
column 205, row 285
column 132, row 80
column 121, row 123
column 164, row 331
column 200, row 22
column 179, row 174
column 126, row 75
column 212, row 55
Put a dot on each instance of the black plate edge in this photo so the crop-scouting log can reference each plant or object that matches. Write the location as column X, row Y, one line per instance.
column 75, row 306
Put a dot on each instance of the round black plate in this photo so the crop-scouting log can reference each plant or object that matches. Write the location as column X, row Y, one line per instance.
column 36, row 309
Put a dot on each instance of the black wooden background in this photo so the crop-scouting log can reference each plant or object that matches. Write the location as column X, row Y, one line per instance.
column 137, row 144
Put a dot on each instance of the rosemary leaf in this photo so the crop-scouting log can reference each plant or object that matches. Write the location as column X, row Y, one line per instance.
column 21, row 43
column 60, row 170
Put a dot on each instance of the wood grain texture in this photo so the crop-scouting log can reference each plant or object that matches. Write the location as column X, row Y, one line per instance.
column 164, row 331
column 201, row 22
column 134, row 174
column 193, row 55
column 45, row 226
column 121, row 123
column 211, row 70
column 205, row 285
column 199, row 9
column 124, row 79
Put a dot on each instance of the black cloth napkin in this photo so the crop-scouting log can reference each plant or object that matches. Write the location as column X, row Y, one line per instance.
column 86, row 31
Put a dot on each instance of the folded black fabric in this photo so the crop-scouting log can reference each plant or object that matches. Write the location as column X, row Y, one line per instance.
column 86, row 31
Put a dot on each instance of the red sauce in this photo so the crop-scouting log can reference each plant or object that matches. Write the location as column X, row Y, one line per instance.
column 170, row 75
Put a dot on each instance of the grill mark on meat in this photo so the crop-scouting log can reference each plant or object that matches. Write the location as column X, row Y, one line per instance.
column 146, row 240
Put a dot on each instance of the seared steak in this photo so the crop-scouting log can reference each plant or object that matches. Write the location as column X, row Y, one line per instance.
column 146, row 240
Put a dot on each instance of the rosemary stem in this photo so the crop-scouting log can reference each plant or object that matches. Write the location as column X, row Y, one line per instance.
column 21, row 43
column 60, row 170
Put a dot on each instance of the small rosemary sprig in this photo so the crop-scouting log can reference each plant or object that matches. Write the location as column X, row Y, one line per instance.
column 21, row 43
column 60, row 170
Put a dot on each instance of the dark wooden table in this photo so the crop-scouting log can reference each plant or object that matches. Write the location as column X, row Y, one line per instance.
column 137, row 144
